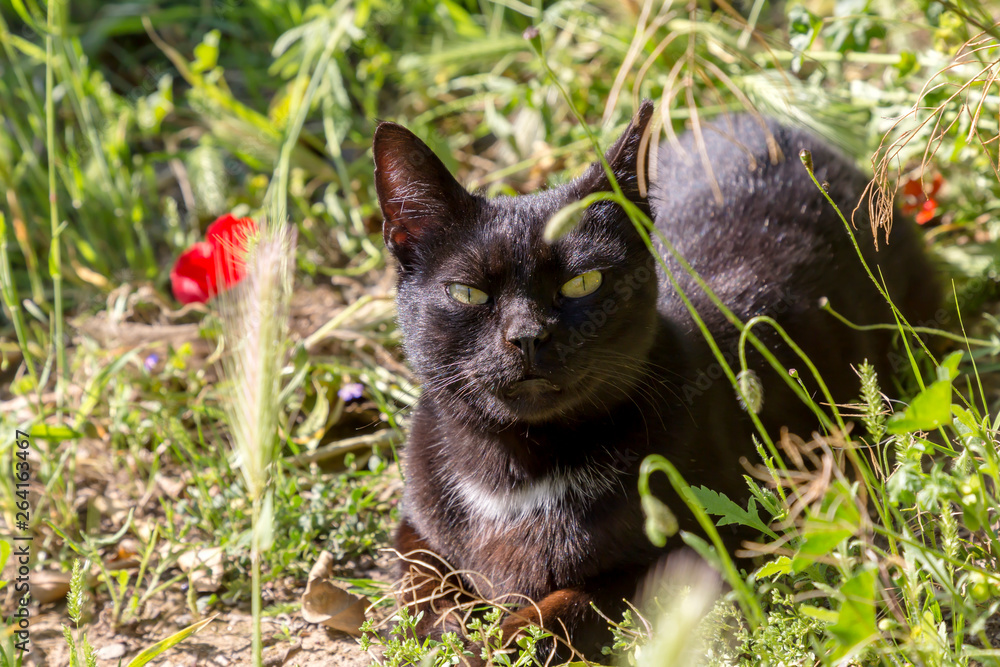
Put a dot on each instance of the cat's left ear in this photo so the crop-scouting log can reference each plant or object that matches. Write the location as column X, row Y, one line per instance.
column 624, row 156
column 416, row 191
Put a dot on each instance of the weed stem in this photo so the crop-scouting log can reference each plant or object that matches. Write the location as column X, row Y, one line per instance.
column 55, row 258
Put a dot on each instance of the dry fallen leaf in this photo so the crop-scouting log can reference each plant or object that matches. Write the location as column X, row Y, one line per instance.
column 323, row 567
column 326, row 604
column 49, row 586
column 205, row 568
column 126, row 557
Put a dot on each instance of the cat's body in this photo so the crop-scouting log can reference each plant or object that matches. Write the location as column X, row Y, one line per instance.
column 538, row 407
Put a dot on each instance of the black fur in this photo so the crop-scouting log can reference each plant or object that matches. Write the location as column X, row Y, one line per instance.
column 627, row 372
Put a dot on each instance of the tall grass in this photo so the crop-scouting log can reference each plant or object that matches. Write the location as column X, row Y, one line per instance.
column 55, row 255
column 255, row 328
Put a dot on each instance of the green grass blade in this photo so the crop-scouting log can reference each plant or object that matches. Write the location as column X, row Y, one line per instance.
column 10, row 299
column 55, row 260
column 165, row 644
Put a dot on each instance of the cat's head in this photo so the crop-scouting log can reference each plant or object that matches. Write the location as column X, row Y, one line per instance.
column 498, row 324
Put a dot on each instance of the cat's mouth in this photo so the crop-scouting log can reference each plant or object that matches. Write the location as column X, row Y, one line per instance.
column 532, row 386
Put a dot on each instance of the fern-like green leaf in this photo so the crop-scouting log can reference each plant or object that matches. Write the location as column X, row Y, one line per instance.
column 719, row 505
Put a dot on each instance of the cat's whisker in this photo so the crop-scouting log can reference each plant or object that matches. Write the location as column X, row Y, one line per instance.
column 644, row 362
column 639, row 408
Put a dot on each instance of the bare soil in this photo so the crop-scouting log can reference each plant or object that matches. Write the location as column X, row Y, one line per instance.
column 289, row 641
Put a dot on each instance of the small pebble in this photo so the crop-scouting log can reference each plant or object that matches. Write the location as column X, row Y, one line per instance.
column 111, row 652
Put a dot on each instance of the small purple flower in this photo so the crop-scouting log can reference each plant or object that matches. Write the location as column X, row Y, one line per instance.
column 150, row 362
column 351, row 391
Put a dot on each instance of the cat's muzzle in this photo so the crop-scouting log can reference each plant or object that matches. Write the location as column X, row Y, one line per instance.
column 532, row 386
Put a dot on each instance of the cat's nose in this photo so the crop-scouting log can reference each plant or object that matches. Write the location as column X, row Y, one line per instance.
column 529, row 344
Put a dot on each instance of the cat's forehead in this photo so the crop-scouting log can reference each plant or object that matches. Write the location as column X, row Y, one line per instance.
column 512, row 222
column 507, row 236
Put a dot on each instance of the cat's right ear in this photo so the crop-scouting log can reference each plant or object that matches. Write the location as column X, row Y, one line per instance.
column 624, row 158
column 416, row 191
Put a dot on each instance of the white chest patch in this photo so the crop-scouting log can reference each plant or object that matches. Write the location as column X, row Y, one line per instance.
column 541, row 496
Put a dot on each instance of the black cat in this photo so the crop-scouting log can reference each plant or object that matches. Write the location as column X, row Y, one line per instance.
column 550, row 371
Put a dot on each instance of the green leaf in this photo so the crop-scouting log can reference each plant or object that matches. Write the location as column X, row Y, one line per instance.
column 948, row 370
column 966, row 419
column 845, row 512
column 907, row 63
column 700, row 546
column 930, row 409
column 33, row 23
column 465, row 25
column 114, row 539
column 730, row 513
column 821, row 538
column 54, row 433
column 855, row 624
column 206, row 54
column 767, row 499
column 803, row 27
column 302, row 365
column 35, row 311
column 313, row 427
column 29, row 49
column 262, row 531
column 780, row 565
column 819, row 613
column 171, row 641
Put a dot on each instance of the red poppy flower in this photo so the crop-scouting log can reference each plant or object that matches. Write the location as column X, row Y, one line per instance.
column 215, row 264
column 193, row 275
column 920, row 201
column 927, row 211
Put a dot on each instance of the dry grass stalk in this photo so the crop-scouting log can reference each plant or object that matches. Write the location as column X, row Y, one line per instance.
column 455, row 603
column 935, row 123
column 683, row 77
column 255, row 328
column 814, row 467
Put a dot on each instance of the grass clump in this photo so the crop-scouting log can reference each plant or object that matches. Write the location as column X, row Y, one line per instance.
column 840, row 583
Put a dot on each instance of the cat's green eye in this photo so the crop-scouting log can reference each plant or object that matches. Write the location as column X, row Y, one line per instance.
column 582, row 285
column 465, row 294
